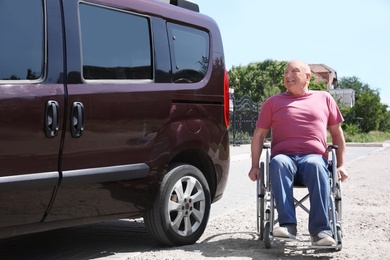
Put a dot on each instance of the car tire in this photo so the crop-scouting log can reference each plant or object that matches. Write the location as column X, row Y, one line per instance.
column 181, row 209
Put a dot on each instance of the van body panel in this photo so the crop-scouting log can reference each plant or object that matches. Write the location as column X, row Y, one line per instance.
column 92, row 135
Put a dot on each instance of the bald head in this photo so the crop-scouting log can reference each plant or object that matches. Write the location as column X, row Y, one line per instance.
column 300, row 64
column 297, row 77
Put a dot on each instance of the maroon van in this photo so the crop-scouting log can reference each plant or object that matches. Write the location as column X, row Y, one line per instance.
column 111, row 109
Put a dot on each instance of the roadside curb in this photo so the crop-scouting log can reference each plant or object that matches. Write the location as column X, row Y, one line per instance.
column 384, row 144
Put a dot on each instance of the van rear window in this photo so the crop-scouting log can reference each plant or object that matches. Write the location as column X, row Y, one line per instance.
column 116, row 45
column 189, row 53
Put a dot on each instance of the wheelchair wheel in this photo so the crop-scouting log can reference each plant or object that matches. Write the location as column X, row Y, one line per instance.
column 267, row 236
column 338, row 200
column 260, row 218
column 259, row 215
column 339, row 238
column 260, row 204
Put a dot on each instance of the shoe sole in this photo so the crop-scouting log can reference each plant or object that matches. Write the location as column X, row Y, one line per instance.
column 324, row 247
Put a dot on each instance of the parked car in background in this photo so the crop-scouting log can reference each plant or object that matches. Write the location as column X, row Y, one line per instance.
column 111, row 109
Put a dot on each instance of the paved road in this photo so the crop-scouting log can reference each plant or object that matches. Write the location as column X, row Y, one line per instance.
column 126, row 239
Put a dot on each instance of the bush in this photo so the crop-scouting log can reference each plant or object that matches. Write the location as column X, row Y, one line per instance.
column 351, row 129
column 241, row 137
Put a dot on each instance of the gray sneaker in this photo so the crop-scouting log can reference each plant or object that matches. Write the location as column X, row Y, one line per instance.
column 285, row 232
column 322, row 239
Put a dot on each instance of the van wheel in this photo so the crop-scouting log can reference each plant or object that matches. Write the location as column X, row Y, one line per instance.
column 182, row 206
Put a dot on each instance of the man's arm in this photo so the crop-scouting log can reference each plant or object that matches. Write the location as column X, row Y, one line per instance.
column 337, row 135
column 256, row 149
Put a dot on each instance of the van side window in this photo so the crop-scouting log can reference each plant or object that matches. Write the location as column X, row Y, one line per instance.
column 115, row 45
column 189, row 53
column 22, row 40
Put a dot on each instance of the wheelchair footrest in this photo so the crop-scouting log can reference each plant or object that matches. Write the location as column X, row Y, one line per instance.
column 325, row 247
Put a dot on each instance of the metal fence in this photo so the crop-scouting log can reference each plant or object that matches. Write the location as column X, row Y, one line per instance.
column 243, row 119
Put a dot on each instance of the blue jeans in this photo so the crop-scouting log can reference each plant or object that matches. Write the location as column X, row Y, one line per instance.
column 309, row 170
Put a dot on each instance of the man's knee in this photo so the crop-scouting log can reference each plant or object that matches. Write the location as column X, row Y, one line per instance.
column 314, row 171
column 282, row 167
column 280, row 161
column 315, row 160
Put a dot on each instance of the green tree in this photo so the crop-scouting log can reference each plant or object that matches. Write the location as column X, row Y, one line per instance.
column 385, row 123
column 353, row 83
column 321, row 85
column 368, row 107
column 257, row 80
column 368, row 112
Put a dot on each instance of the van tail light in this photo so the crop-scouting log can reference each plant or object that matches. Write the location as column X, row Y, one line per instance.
column 226, row 97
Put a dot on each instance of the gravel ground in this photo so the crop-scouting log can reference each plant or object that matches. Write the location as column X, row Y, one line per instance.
column 366, row 228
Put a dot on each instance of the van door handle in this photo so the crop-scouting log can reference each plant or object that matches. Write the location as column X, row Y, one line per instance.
column 77, row 119
column 52, row 118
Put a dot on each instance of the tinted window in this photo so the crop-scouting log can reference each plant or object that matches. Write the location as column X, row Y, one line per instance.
column 189, row 53
column 115, row 45
column 21, row 44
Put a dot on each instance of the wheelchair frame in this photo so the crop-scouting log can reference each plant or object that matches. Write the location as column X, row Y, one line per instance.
column 265, row 203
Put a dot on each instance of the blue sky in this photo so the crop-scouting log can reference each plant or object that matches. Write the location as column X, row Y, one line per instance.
column 350, row 36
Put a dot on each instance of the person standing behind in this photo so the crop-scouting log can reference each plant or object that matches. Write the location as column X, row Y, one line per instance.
column 300, row 119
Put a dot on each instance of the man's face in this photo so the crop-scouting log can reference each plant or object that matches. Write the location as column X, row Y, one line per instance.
column 296, row 78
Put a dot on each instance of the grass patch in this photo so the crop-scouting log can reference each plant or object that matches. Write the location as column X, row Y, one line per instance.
column 371, row 137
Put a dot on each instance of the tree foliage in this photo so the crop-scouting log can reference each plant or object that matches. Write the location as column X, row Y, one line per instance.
column 368, row 112
column 257, row 80
column 321, row 85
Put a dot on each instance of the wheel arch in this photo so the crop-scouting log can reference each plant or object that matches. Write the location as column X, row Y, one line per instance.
column 202, row 161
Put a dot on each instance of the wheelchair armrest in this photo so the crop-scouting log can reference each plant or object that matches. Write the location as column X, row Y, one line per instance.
column 333, row 146
column 266, row 145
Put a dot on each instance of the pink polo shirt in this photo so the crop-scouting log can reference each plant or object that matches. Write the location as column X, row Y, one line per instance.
column 299, row 124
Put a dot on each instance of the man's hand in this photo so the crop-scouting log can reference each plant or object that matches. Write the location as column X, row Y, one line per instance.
column 342, row 173
column 254, row 173
column 256, row 148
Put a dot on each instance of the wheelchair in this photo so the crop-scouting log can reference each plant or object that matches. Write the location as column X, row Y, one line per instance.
column 266, row 204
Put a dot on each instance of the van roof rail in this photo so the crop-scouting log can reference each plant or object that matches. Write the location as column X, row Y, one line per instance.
column 187, row 4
